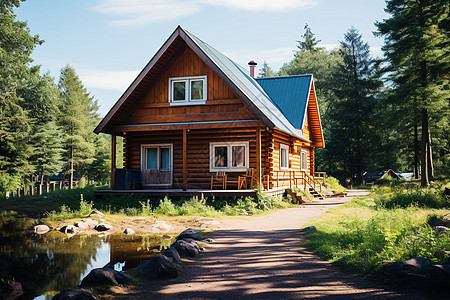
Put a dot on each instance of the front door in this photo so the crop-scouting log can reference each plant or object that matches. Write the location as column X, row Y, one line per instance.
column 156, row 164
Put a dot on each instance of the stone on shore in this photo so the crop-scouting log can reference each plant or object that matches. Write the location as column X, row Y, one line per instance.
column 96, row 213
column 186, row 249
column 102, row 227
column 129, row 231
column 41, row 229
column 173, row 254
column 104, row 276
column 69, row 229
column 189, row 233
column 74, row 295
column 158, row 267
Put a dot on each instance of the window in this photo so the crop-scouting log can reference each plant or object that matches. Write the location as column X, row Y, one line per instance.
column 187, row 90
column 303, row 160
column 284, row 157
column 157, row 158
column 229, row 156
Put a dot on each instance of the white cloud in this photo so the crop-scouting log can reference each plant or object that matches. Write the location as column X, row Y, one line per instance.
column 106, row 80
column 141, row 12
column 264, row 5
column 329, row 47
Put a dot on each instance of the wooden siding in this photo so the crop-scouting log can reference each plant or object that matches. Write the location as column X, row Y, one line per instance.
column 198, row 156
column 314, row 126
column 221, row 105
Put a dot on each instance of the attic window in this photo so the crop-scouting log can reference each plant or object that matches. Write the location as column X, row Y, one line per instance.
column 187, row 90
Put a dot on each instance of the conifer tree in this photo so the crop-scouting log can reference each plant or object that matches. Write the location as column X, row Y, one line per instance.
column 78, row 118
column 266, row 71
column 417, row 49
column 309, row 41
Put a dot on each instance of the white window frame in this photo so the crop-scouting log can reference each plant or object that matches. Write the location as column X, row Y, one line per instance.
column 188, row 100
column 284, row 147
column 229, row 146
column 304, row 167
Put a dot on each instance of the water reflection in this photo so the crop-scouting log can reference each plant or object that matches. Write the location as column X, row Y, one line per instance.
column 53, row 262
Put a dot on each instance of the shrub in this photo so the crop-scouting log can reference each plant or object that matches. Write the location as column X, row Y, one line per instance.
column 412, row 196
column 166, row 207
column 333, row 184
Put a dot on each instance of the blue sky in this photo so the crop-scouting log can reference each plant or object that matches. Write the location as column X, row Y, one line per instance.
column 109, row 41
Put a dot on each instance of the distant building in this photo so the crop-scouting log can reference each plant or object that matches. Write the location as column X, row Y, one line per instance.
column 370, row 178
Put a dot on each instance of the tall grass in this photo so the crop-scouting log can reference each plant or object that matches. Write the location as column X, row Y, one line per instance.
column 364, row 234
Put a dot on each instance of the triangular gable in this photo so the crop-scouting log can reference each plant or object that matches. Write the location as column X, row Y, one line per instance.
column 295, row 96
column 232, row 74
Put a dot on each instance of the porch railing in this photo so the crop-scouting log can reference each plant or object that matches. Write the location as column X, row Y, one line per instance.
column 297, row 178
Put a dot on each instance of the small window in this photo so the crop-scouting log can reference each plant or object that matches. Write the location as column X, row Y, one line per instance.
column 303, row 160
column 284, row 157
column 231, row 156
column 187, row 90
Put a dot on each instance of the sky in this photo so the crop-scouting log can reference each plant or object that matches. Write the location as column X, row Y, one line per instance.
column 109, row 42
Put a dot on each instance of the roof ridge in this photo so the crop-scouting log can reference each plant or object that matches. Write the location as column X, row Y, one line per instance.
column 283, row 77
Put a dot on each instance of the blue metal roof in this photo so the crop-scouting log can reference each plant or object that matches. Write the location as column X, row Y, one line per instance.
column 249, row 87
column 290, row 94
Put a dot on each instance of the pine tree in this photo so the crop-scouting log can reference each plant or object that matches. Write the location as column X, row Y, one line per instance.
column 353, row 140
column 309, row 41
column 78, row 118
column 417, row 48
column 266, row 71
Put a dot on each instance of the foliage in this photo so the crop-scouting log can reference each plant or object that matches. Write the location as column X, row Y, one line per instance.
column 333, row 184
column 362, row 236
column 65, row 212
column 266, row 71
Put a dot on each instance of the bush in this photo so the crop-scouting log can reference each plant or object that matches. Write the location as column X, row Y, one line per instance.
column 412, row 196
column 333, row 184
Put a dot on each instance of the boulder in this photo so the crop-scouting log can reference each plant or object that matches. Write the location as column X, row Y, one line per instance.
column 158, row 267
column 439, row 229
column 102, row 227
column 82, row 225
column 103, row 276
column 129, row 231
column 440, row 277
column 161, row 226
column 41, row 229
column 186, row 249
column 309, row 229
column 74, row 295
column 91, row 223
column 190, row 234
column 173, row 254
column 69, row 229
column 10, row 291
column 96, row 213
column 413, row 265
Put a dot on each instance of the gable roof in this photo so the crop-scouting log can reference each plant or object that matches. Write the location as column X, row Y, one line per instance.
column 380, row 174
column 236, row 77
column 294, row 95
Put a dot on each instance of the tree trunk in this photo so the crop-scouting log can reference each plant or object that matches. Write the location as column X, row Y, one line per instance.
column 430, row 158
column 425, row 147
column 416, row 152
column 71, row 169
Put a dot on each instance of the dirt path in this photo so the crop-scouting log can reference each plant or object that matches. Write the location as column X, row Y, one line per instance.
column 262, row 258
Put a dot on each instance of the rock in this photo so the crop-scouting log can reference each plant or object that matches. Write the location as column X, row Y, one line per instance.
column 129, row 231
column 413, row 265
column 158, row 267
column 439, row 229
column 442, row 253
column 102, row 276
column 96, row 213
column 173, row 254
column 186, row 249
column 91, row 223
column 209, row 223
column 74, row 295
column 69, row 229
column 309, row 229
column 82, row 225
column 41, row 229
column 102, row 227
column 440, row 277
column 161, row 226
column 189, row 233
column 10, row 291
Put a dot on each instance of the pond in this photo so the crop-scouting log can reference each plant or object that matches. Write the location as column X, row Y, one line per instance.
column 49, row 263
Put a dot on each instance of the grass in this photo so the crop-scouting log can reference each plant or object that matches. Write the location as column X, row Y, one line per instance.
column 332, row 183
column 392, row 224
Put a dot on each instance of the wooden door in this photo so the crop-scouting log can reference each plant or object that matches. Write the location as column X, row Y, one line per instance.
column 156, row 165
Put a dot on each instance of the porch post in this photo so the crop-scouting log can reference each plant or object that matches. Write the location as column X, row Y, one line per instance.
column 258, row 155
column 113, row 158
column 184, row 159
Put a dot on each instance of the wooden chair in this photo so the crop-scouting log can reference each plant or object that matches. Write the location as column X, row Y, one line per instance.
column 219, row 179
column 248, row 180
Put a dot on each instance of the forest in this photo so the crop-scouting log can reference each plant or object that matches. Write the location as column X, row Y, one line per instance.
column 377, row 113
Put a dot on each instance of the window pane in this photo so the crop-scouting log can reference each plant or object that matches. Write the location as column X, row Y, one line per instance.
column 238, row 156
column 283, row 162
column 179, row 91
column 196, row 89
column 221, row 156
column 303, row 160
column 152, row 158
column 165, row 159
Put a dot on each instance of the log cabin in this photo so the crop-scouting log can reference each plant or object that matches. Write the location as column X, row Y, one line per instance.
column 193, row 115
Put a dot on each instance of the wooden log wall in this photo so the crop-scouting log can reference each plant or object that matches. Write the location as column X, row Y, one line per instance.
column 198, row 156
column 222, row 103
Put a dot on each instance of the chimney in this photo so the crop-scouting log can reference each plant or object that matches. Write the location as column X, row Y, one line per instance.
column 252, row 65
